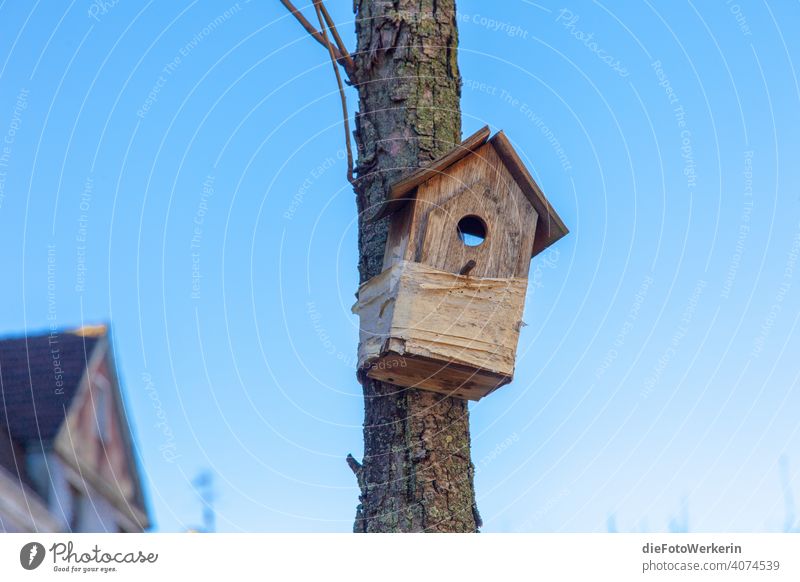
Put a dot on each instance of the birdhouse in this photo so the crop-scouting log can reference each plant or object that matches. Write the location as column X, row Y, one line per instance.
column 446, row 311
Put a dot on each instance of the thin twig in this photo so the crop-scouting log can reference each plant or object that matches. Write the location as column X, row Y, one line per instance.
column 317, row 4
column 346, row 62
column 349, row 65
column 305, row 23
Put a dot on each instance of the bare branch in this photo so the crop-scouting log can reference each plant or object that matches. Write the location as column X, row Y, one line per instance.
column 320, row 37
column 349, row 65
column 317, row 6
column 305, row 23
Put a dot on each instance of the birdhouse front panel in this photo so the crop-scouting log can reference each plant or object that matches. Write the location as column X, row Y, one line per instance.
column 475, row 212
column 445, row 313
column 472, row 211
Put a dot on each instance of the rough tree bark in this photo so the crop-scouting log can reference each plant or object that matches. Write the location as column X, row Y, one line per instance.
column 416, row 474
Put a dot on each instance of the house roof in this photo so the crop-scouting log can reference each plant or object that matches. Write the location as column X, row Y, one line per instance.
column 43, row 394
column 549, row 227
column 39, row 376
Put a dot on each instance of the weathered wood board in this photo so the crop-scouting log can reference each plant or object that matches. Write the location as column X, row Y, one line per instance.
column 453, row 334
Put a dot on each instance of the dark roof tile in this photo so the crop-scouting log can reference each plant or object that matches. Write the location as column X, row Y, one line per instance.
column 33, row 398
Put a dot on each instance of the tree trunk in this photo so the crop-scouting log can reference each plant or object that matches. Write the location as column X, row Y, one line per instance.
column 416, row 475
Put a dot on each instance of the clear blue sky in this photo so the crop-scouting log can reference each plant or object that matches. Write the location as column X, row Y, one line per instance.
column 658, row 374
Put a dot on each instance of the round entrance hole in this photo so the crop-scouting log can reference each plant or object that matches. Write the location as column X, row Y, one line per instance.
column 472, row 230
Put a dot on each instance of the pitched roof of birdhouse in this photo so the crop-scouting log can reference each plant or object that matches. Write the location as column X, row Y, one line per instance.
column 549, row 227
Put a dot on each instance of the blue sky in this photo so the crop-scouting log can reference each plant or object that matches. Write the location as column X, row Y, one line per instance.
column 185, row 162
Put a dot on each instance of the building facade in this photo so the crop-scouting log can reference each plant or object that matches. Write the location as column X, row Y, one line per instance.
column 67, row 460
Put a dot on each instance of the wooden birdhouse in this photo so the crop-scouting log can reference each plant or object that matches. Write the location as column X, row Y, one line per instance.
column 445, row 313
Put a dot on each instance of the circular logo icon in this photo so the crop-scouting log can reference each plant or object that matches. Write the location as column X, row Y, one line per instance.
column 31, row 555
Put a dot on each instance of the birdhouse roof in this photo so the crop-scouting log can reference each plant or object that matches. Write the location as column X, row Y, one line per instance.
column 549, row 227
